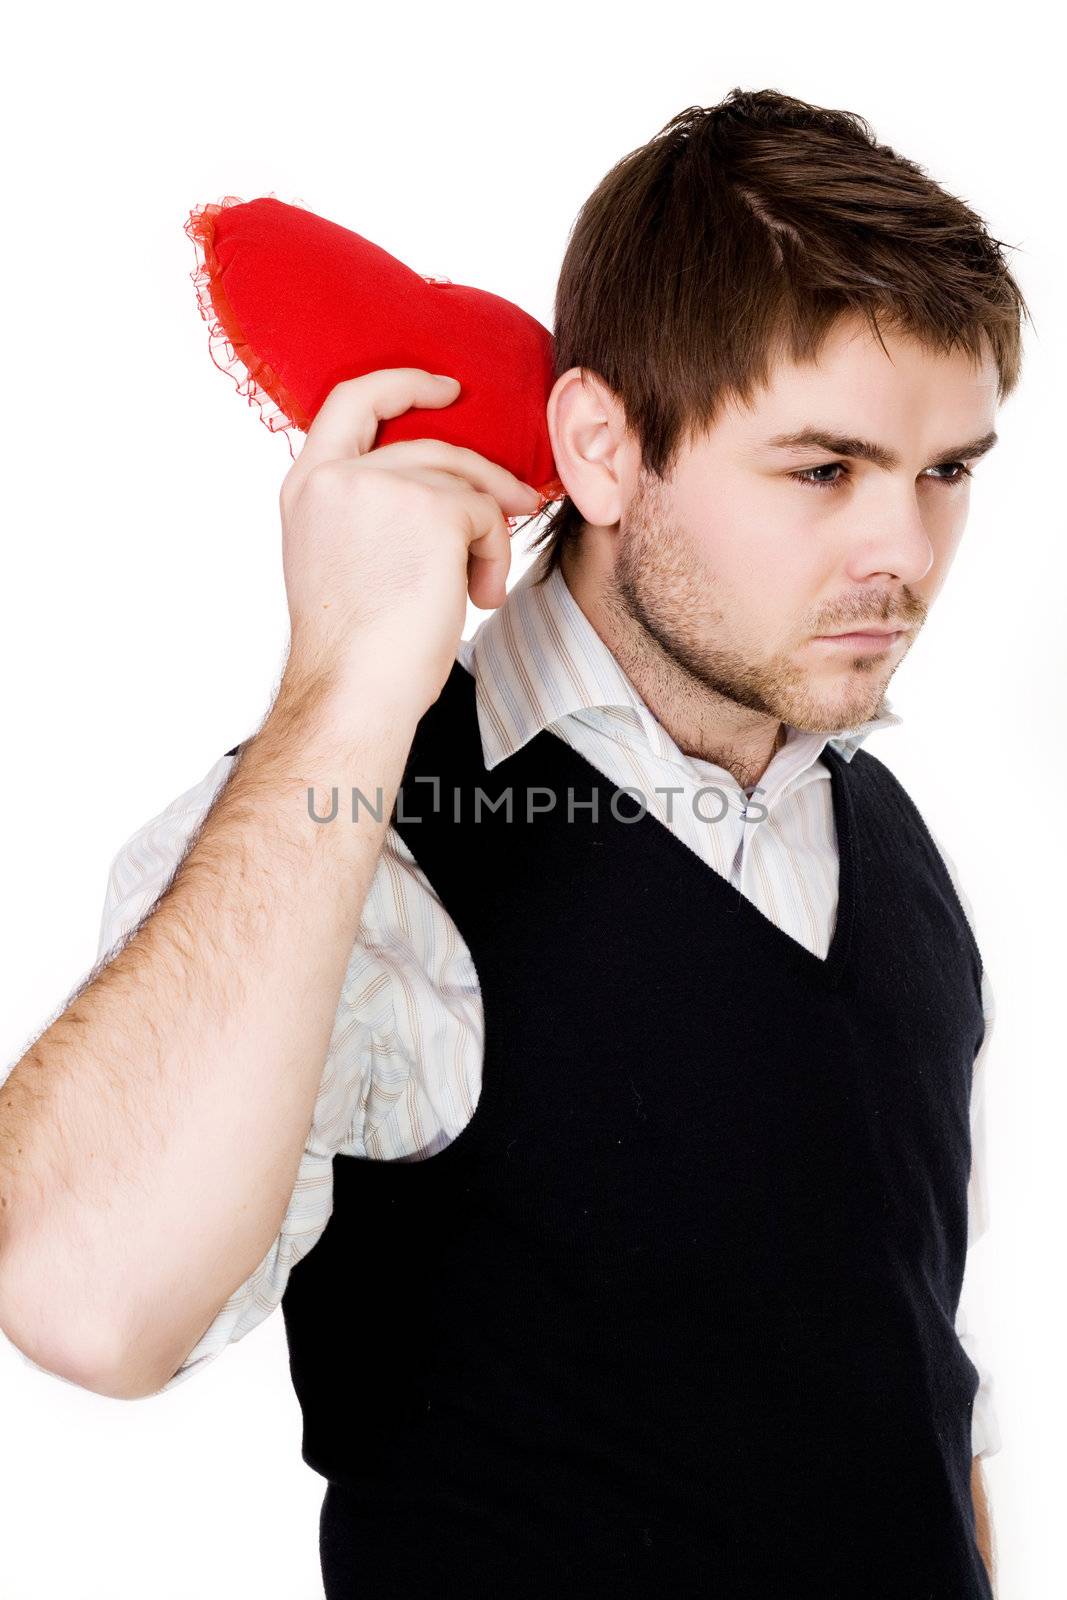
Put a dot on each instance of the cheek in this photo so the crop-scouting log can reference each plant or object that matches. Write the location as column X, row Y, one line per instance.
column 945, row 532
column 760, row 551
column 946, row 535
column 779, row 569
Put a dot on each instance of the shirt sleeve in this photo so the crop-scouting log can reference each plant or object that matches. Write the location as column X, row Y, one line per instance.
column 985, row 1429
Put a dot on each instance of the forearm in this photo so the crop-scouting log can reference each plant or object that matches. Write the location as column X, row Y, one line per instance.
column 982, row 1520
column 189, row 1065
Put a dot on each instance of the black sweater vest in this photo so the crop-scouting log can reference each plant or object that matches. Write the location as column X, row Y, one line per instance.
column 674, row 1313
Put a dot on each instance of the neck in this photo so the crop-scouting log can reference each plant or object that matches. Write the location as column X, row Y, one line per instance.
column 701, row 722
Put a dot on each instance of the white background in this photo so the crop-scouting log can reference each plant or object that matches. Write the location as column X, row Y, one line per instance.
column 144, row 616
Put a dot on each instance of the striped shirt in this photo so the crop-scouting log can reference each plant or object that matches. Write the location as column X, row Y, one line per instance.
column 403, row 1068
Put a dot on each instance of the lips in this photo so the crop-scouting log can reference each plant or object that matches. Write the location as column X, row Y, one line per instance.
column 880, row 643
column 871, row 628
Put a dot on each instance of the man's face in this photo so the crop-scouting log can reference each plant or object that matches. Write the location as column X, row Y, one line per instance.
column 734, row 566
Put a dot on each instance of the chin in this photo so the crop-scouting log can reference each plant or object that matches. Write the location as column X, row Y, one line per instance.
column 830, row 713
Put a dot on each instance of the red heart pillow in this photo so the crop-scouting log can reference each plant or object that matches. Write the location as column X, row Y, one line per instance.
column 302, row 304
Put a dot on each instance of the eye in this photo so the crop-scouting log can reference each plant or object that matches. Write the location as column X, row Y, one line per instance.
column 962, row 471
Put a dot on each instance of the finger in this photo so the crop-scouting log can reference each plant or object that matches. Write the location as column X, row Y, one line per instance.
column 488, row 553
column 347, row 421
column 476, row 471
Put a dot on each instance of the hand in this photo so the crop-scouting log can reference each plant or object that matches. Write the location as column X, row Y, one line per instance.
column 380, row 547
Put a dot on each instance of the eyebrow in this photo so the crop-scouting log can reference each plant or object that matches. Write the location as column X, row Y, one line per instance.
column 866, row 450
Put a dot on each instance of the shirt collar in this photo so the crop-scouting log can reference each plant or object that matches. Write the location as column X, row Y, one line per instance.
column 537, row 659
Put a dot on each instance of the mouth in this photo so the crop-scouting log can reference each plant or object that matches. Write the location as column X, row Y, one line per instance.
column 869, row 641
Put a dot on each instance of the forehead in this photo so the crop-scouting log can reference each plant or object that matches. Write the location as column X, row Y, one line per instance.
column 903, row 390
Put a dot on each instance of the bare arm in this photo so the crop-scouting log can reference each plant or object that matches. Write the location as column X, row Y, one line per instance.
column 983, row 1524
column 205, row 1034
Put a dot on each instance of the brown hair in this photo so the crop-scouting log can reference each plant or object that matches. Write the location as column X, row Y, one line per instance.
column 745, row 230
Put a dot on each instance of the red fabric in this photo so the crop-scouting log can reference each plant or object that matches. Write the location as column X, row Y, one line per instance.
column 301, row 304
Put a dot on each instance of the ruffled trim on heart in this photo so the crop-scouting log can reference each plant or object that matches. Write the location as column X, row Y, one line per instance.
column 256, row 379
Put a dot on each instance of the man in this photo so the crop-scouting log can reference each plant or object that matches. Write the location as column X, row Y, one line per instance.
column 624, row 1251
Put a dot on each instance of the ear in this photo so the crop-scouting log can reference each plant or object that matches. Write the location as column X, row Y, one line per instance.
column 592, row 444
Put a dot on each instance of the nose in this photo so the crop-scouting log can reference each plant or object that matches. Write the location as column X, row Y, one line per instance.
column 893, row 541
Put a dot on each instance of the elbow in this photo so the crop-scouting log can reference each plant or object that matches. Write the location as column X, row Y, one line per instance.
column 61, row 1343
column 114, row 1375
column 109, row 1378
column 98, row 1368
